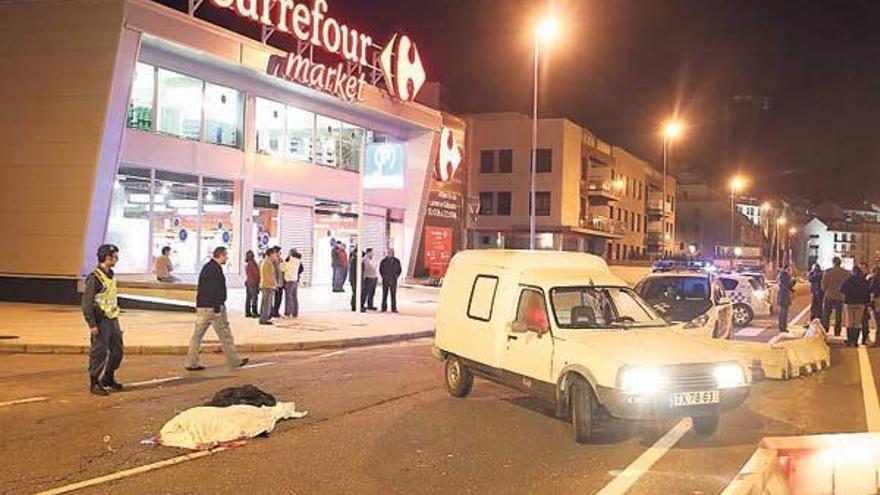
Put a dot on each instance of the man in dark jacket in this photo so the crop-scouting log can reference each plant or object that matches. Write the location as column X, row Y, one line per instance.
column 783, row 297
column 390, row 271
column 816, row 291
column 856, row 296
column 211, row 310
column 100, row 309
column 874, row 306
column 352, row 279
column 832, row 279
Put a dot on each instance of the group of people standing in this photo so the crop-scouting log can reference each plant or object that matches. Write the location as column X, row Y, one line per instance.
column 389, row 269
column 839, row 291
column 273, row 281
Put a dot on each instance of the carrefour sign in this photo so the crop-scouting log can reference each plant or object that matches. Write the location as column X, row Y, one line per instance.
column 399, row 61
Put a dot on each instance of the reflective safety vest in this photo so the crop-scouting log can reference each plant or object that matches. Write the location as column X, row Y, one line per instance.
column 106, row 300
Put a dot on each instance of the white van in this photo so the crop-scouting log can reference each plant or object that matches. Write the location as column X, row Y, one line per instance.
column 560, row 326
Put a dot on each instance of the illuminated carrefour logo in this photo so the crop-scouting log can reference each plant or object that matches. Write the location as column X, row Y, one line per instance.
column 398, row 63
column 450, row 156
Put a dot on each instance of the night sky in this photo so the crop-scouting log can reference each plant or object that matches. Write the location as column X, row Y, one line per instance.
column 785, row 91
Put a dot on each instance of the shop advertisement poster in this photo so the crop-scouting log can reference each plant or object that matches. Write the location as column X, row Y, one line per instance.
column 438, row 250
column 385, row 166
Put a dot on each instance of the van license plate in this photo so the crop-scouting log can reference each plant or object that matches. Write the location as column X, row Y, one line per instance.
column 696, row 398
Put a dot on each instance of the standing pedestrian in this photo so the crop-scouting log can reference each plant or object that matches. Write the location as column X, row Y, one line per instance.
column 268, row 284
column 785, row 290
column 874, row 286
column 251, row 285
column 390, row 271
column 856, row 296
column 371, row 280
column 818, row 295
column 832, row 279
column 337, row 262
column 100, row 307
column 211, row 311
column 292, row 268
column 352, row 279
column 343, row 256
column 279, row 283
column 164, row 267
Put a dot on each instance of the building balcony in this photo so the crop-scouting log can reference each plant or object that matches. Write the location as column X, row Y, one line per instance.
column 603, row 224
column 600, row 186
column 655, row 205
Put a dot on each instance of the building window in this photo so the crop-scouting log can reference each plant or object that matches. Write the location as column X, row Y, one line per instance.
column 300, row 134
column 140, row 106
column 503, row 204
column 487, row 162
column 542, row 203
column 216, row 225
column 544, row 160
column 270, row 126
column 176, row 219
column 487, row 203
column 505, row 161
column 349, row 145
column 223, row 115
column 128, row 225
column 180, row 105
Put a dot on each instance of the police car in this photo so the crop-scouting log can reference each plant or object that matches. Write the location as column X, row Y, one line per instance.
column 695, row 299
column 748, row 296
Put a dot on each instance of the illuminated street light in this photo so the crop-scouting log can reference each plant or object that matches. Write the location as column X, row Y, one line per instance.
column 546, row 31
column 792, row 231
column 671, row 131
column 737, row 184
column 780, row 221
column 737, row 251
column 766, row 206
column 619, row 184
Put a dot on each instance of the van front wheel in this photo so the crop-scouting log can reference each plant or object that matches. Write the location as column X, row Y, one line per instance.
column 582, row 407
column 459, row 380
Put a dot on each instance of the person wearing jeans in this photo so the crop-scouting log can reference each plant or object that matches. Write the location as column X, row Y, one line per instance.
column 857, row 295
column 832, row 279
column 211, row 311
column 783, row 297
column 267, row 286
column 292, row 268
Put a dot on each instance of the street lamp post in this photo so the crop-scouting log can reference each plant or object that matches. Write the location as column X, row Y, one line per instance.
column 546, row 31
column 780, row 222
column 736, row 184
column 670, row 131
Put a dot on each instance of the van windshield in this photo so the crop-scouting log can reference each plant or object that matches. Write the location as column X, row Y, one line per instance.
column 602, row 308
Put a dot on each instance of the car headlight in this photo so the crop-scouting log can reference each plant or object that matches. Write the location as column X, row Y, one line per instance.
column 641, row 380
column 698, row 321
column 729, row 375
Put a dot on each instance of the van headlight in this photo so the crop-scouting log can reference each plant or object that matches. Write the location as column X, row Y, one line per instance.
column 697, row 322
column 729, row 376
column 642, row 380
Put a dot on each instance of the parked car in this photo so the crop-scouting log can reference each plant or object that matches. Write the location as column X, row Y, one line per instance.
column 695, row 299
column 560, row 326
column 748, row 297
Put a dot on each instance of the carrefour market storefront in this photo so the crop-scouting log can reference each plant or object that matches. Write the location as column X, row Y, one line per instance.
column 229, row 142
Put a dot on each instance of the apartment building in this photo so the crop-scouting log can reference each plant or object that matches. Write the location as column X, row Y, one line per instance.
column 851, row 241
column 590, row 196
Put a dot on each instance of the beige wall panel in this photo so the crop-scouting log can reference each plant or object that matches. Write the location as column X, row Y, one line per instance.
column 57, row 59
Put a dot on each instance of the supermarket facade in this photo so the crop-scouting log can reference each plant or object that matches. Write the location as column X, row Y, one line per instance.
column 179, row 132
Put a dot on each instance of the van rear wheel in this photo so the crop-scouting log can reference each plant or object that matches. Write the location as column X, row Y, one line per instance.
column 582, row 406
column 459, row 379
column 705, row 425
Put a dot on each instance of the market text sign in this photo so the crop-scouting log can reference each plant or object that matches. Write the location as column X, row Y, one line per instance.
column 399, row 60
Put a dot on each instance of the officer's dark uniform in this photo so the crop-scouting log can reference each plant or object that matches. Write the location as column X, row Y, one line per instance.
column 101, row 310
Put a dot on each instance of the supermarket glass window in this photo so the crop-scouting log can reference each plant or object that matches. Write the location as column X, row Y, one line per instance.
column 270, row 126
column 265, row 222
column 175, row 220
column 325, row 141
column 180, row 105
column 349, row 145
column 300, row 134
column 128, row 225
column 223, row 115
column 140, row 106
column 216, row 219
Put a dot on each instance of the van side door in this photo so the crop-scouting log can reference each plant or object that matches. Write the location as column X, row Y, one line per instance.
column 528, row 355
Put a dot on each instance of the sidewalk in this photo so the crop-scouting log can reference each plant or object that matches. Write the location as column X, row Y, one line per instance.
column 325, row 322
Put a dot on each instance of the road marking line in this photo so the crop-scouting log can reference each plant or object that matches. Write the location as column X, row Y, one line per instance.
column 869, row 391
column 23, row 401
column 132, row 472
column 800, row 315
column 330, row 354
column 750, row 332
column 155, row 381
column 640, row 466
column 258, row 365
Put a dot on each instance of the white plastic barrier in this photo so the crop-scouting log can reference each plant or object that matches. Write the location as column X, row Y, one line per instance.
column 840, row 464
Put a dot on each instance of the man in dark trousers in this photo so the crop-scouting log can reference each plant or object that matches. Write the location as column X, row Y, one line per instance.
column 784, row 294
column 390, row 271
column 279, row 283
column 211, row 310
column 352, row 279
column 100, row 308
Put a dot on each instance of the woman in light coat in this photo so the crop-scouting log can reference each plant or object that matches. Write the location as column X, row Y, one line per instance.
column 292, row 269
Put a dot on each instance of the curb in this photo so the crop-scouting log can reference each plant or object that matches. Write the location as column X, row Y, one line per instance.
column 215, row 348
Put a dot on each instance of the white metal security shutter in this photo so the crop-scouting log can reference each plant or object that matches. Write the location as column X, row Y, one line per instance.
column 375, row 236
column 296, row 226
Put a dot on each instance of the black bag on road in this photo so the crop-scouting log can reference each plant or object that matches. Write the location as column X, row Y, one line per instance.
column 248, row 395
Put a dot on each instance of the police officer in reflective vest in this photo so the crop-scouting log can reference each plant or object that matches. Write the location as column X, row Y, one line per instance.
column 101, row 311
